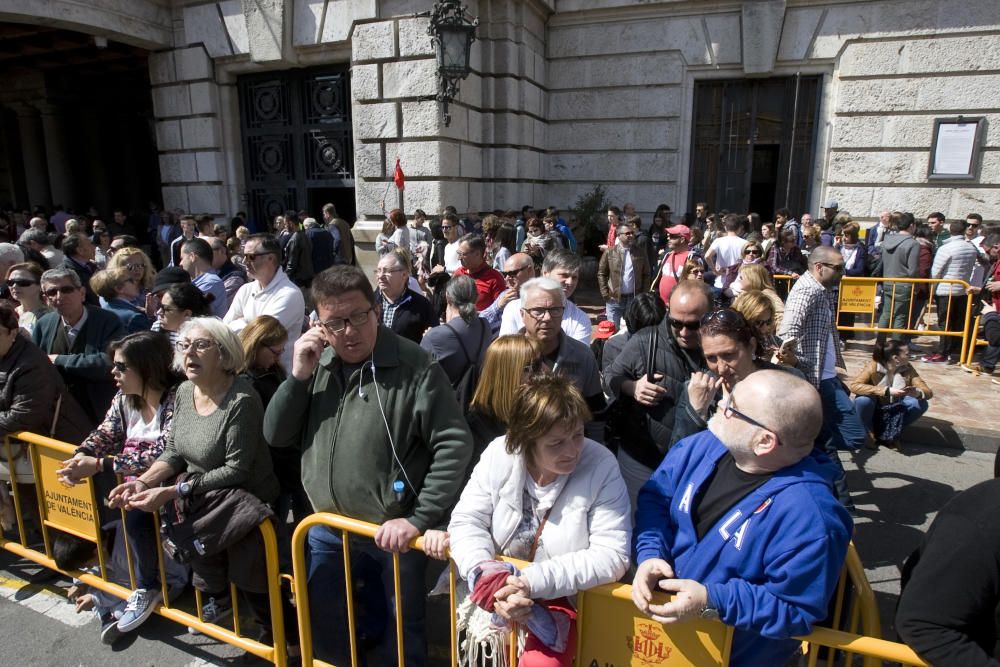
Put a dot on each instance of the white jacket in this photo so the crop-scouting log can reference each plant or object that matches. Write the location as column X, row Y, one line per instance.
column 587, row 536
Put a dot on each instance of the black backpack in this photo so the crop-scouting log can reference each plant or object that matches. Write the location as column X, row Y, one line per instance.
column 465, row 386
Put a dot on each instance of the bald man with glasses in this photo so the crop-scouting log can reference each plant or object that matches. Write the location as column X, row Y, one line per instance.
column 517, row 270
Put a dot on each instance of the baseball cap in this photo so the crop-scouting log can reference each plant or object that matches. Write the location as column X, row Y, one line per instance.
column 605, row 329
column 680, row 230
column 830, row 203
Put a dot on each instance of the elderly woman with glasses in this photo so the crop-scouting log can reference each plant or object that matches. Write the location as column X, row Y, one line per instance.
column 215, row 444
column 119, row 290
column 731, row 353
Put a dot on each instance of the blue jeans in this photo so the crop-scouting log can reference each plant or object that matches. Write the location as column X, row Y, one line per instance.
column 374, row 609
column 615, row 310
column 865, row 407
column 842, row 429
column 142, row 539
column 895, row 313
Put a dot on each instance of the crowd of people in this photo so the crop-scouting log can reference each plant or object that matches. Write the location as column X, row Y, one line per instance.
column 689, row 444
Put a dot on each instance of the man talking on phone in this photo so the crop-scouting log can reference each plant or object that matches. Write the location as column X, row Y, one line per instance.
column 647, row 393
column 383, row 440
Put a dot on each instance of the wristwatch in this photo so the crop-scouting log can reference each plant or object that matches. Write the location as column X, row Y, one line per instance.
column 709, row 614
column 184, row 489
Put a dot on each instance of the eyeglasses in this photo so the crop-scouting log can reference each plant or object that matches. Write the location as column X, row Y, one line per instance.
column 681, row 324
column 65, row 289
column 729, row 411
column 676, row 237
column 17, row 282
column 338, row 324
column 760, row 324
column 198, row 344
column 135, row 267
column 120, row 366
column 539, row 313
column 839, row 268
column 752, row 251
column 510, row 274
column 254, row 256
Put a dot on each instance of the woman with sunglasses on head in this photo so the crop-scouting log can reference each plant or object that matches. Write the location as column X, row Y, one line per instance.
column 24, row 281
column 178, row 304
column 731, row 353
column 131, row 437
column 215, row 444
column 141, row 269
column 119, row 289
column 751, row 255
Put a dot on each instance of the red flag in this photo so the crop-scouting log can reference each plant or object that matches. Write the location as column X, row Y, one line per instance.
column 398, row 177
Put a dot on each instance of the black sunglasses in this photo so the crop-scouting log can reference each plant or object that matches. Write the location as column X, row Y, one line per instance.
column 17, row 282
column 681, row 324
column 65, row 289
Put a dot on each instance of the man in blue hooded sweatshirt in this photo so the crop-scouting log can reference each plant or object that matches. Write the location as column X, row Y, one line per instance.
column 740, row 522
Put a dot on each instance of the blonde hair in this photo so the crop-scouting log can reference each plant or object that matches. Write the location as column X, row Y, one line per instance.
column 548, row 400
column 262, row 331
column 503, row 369
column 118, row 260
column 754, row 305
column 106, row 283
column 755, row 277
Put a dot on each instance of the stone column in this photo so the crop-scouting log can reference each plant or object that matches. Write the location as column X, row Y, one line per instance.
column 36, row 173
column 57, row 155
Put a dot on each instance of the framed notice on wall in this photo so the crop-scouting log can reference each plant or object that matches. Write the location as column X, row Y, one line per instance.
column 955, row 148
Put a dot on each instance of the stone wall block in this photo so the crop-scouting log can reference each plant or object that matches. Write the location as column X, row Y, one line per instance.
column 529, row 164
column 424, row 158
column 474, row 126
column 161, row 68
column 375, row 121
column 627, row 70
column 369, row 194
column 655, row 102
column 471, row 165
column 373, row 41
column 341, row 15
column 614, row 135
column 209, row 165
column 305, row 21
column 881, row 167
column 421, row 119
column 874, row 95
column 368, row 162
column 912, row 199
column 201, row 133
column 168, row 135
column 171, row 101
column 612, row 166
column 202, row 26
column 857, row 131
column 985, row 201
column 192, row 64
column 683, row 34
column 409, row 78
column 860, row 202
column 204, row 97
column 205, row 198
column 531, row 96
column 178, row 168
column 413, row 38
column 266, row 21
column 364, row 82
column 471, row 90
column 175, row 197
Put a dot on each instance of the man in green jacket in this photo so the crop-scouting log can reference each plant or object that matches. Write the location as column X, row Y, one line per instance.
column 383, row 440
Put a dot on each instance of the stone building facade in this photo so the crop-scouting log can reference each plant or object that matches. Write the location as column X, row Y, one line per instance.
column 661, row 102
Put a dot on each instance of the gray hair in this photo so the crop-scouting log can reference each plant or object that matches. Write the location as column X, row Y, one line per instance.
column 57, row 275
column 309, row 223
column 37, row 235
column 11, row 253
column 461, row 294
column 544, row 285
column 233, row 360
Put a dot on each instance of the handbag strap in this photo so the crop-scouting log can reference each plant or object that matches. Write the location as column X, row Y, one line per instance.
column 482, row 334
column 538, row 535
column 55, row 417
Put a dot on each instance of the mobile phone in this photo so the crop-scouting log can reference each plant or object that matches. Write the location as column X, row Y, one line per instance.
column 788, row 345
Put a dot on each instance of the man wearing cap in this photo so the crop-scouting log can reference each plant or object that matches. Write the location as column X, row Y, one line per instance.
column 673, row 262
column 830, row 208
column 623, row 272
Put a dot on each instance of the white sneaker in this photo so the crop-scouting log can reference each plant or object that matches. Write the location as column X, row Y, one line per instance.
column 213, row 610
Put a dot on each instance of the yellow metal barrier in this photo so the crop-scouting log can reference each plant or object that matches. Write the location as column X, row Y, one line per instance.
column 75, row 511
column 975, row 342
column 694, row 643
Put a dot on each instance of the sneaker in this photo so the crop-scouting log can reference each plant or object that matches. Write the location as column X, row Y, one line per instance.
column 935, row 359
column 138, row 608
column 109, row 629
column 995, row 381
column 975, row 369
column 213, row 610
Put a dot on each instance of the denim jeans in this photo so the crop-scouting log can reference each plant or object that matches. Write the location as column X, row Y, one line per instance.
column 865, row 407
column 374, row 609
column 951, row 317
column 142, row 540
column 895, row 313
column 842, row 429
column 615, row 310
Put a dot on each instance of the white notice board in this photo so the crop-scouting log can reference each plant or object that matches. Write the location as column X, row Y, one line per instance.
column 955, row 148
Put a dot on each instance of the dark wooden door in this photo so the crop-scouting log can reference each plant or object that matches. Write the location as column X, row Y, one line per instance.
column 297, row 138
column 753, row 144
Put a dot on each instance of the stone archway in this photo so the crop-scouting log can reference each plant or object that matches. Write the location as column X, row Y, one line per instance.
column 140, row 23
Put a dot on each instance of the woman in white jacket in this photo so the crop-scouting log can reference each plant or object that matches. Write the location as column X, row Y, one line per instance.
column 545, row 494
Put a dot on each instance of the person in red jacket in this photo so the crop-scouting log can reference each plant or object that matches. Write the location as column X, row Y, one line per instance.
column 489, row 281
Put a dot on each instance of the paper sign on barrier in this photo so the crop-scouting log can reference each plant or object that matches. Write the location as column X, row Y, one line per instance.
column 615, row 634
column 857, row 297
column 70, row 509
